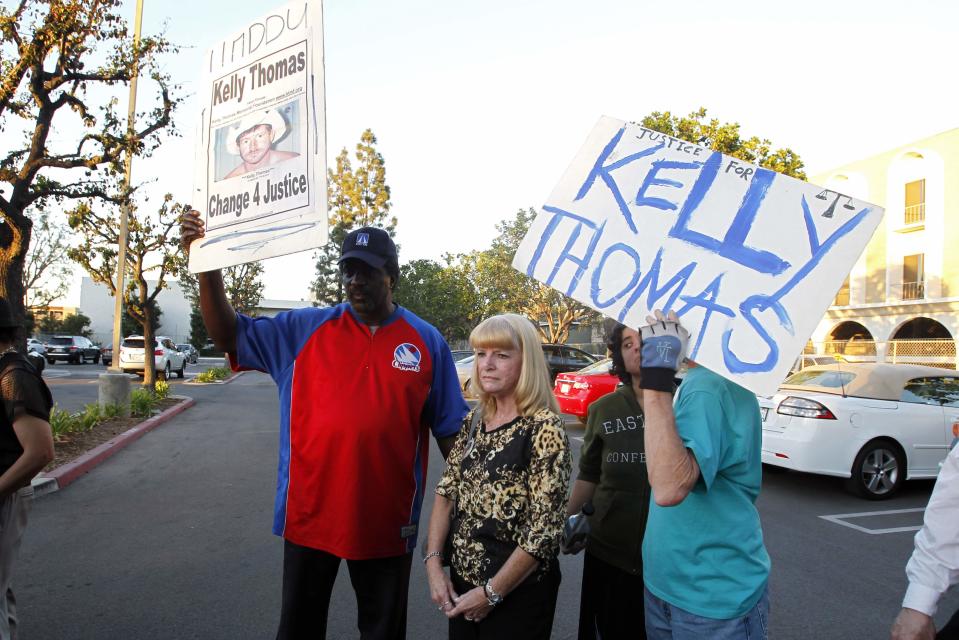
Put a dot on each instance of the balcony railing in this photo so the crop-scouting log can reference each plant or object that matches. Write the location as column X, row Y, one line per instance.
column 915, row 214
column 913, row 290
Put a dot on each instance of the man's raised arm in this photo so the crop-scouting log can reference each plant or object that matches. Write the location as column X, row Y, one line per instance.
column 218, row 315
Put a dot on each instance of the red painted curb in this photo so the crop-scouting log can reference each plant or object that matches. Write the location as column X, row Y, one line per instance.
column 65, row 474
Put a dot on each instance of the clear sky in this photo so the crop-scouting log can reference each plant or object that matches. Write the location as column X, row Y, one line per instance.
column 479, row 106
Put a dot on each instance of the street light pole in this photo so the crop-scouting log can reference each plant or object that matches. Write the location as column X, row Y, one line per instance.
column 125, row 207
column 114, row 385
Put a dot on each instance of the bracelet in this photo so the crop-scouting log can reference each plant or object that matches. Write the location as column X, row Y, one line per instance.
column 432, row 554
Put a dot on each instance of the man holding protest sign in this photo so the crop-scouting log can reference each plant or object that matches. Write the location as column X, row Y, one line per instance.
column 359, row 384
column 704, row 563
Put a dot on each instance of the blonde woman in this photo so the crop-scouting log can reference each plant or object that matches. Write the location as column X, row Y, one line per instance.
column 503, row 495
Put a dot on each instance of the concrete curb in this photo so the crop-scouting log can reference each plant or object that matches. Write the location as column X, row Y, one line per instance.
column 235, row 375
column 66, row 474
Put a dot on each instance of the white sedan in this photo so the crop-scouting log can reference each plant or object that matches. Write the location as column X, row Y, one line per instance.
column 875, row 424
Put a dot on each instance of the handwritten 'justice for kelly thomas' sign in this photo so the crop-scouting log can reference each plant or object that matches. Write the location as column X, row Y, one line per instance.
column 748, row 258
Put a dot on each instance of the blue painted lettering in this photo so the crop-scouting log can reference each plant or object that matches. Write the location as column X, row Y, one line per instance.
column 651, row 180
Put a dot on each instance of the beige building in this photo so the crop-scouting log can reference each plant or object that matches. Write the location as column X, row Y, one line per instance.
column 905, row 286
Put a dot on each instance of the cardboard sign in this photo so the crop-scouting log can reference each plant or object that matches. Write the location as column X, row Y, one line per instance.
column 260, row 180
column 748, row 258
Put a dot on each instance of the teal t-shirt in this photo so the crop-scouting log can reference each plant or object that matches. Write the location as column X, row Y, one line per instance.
column 706, row 554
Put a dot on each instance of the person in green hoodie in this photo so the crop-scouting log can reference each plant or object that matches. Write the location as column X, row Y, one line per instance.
column 612, row 475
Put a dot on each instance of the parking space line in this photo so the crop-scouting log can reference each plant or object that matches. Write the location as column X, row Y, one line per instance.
column 840, row 519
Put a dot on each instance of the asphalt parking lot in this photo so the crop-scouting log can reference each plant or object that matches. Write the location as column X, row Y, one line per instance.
column 75, row 385
column 837, row 561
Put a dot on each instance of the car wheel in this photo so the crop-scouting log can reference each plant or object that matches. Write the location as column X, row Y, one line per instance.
column 165, row 374
column 81, row 359
column 50, row 360
column 179, row 373
column 878, row 471
column 96, row 359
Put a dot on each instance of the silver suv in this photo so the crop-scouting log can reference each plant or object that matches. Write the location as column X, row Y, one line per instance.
column 166, row 357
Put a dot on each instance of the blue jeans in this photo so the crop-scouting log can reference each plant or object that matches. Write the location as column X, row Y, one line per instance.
column 668, row 622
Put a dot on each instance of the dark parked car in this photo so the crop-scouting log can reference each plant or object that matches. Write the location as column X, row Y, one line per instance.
column 106, row 355
column 75, row 349
column 561, row 359
column 189, row 352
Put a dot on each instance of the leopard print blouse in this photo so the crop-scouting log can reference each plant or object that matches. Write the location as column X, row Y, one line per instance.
column 509, row 490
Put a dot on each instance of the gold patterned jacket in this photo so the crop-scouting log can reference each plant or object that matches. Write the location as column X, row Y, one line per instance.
column 509, row 491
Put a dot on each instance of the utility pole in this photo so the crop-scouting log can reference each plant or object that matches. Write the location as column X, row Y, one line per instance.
column 114, row 386
column 125, row 208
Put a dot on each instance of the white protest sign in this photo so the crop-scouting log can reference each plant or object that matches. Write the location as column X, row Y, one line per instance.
column 260, row 176
column 748, row 258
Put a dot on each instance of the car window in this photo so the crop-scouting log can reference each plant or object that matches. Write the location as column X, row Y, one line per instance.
column 61, row 341
column 133, row 343
column 553, row 354
column 829, row 378
column 937, row 391
column 576, row 357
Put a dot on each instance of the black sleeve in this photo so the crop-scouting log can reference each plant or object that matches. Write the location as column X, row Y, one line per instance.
column 22, row 395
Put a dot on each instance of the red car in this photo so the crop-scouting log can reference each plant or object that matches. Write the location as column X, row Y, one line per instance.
column 577, row 390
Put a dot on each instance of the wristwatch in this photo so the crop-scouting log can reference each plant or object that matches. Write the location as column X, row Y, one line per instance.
column 492, row 597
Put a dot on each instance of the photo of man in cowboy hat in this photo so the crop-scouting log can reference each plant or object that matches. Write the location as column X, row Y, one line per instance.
column 252, row 138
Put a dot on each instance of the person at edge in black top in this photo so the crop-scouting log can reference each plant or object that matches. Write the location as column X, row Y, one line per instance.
column 612, row 475
column 26, row 447
column 502, row 495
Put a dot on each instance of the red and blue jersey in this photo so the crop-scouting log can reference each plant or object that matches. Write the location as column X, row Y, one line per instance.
column 356, row 409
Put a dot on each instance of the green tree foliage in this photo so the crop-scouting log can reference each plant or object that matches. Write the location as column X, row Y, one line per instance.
column 61, row 61
column 47, row 270
column 357, row 196
column 77, row 324
column 244, row 290
column 130, row 326
column 503, row 289
column 153, row 251
column 726, row 138
column 441, row 294
column 198, row 333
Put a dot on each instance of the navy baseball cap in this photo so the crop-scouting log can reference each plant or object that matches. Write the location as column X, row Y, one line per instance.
column 372, row 245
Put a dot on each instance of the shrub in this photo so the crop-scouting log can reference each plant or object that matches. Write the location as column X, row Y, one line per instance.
column 88, row 418
column 110, row 411
column 60, row 422
column 161, row 389
column 214, row 374
column 142, row 403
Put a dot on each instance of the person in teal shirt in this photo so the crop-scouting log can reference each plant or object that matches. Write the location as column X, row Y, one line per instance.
column 705, row 565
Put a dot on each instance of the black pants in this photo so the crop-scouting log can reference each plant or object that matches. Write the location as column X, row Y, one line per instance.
column 611, row 603
column 381, row 588
column 526, row 613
